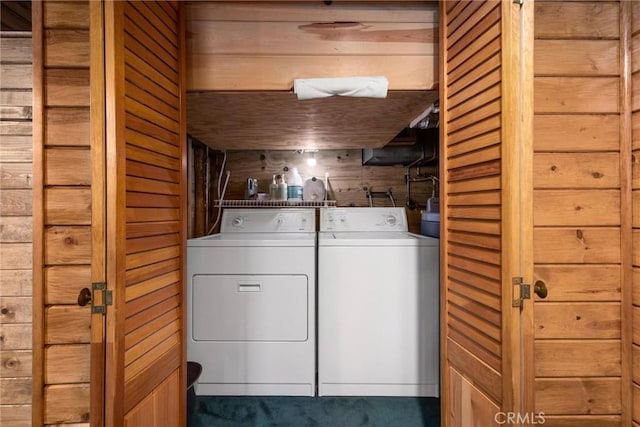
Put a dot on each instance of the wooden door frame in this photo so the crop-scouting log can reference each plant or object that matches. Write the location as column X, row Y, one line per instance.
column 98, row 200
column 115, row 201
column 517, row 204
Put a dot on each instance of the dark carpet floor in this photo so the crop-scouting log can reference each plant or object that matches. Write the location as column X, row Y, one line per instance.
column 260, row 411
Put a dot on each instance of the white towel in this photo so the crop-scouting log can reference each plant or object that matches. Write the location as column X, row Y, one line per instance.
column 371, row 87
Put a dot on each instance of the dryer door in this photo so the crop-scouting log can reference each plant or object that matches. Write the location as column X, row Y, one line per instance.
column 250, row 308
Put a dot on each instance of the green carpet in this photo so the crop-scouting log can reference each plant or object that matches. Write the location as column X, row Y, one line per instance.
column 243, row 411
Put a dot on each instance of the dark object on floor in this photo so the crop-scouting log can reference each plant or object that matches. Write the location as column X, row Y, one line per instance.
column 194, row 369
column 240, row 411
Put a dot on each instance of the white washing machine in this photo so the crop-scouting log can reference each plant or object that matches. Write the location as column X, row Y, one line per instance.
column 251, row 303
column 378, row 304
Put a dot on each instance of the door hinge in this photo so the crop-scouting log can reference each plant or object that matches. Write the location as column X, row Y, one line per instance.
column 520, row 2
column 107, row 298
column 524, row 291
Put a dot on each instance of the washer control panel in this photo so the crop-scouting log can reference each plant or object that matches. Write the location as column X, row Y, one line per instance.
column 259, row 220
column 363, row 219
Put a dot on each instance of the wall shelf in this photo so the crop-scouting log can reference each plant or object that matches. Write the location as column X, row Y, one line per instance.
column 275, row 204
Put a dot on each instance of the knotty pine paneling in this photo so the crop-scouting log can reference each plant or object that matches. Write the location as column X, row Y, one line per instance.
column 66, row 403
column 592, row 396
column 62, row 283
column 16, row 363
column 577, row 157
column 66, row 170
column 66, row 127
column 296, row 40
column 348, row 179
column 67, row 364
column 16, row 174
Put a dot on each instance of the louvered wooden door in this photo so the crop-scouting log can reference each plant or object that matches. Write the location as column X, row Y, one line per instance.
column 145, row 205
column 486, row 155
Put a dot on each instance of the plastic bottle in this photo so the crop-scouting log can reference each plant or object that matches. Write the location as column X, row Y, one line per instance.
column 294, row 190
column 273, row 189
column 282, row 188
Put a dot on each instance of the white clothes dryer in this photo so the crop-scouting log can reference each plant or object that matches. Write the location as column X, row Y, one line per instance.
column 378, row 304
column 251, row 303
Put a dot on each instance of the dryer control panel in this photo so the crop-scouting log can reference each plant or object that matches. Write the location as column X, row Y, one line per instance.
column 287, row 220
column 363, row 219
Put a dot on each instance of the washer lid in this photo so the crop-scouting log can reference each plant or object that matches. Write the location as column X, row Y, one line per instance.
column 364, row 238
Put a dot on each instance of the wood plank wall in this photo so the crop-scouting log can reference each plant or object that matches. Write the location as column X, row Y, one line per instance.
column 347, row 177
column 65, row 168
column 16, row 172
column 472, row 187
column 148, row 241
column 266, row 45
column 635, row 157
column 578, row 212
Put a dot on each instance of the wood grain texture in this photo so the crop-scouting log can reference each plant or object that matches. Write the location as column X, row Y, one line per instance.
column 16, row 97
column 16, row 175
column 66, row 403
column 15, row 391
column 66, row 14
column 15, row 50
column 577, row 358
column 576, row 170
column 16, row 256
column 67, row 245
column 576, row 95
column 278, row 73
column 594, row 132
column 582, row 420
column 16, row 229
column 469, row 406
column 589, row 396
column 67, row 126
column 15, row 336
column 63, row 283
column 475, row 370
column 235, row 120
column 576, row 20
column 590, row 245
column 67, row 87
column 67, row 206
column 580, row 282
column 15, row 363
column 67, row 364
column 298, row 40
column 577, row 320
column 16, row 76
column 66, row 48
column 576, row 207
column 16, row 282
column 16, row 203
column 16, row 415
column 253, row 38
column 400, row 11
column 15, row 309
column 67, row 324
column 576, row 57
